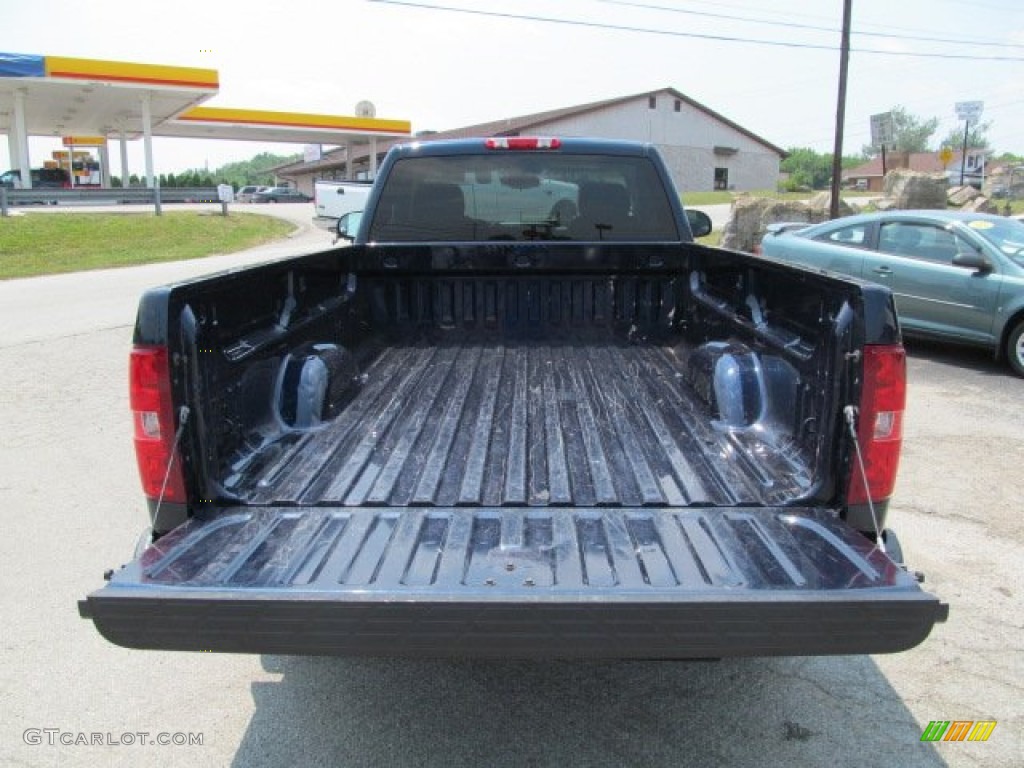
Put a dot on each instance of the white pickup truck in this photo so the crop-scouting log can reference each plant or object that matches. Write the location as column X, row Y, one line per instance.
column 333, row 199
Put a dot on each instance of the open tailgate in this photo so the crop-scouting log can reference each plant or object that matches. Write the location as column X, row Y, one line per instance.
column 544, row 582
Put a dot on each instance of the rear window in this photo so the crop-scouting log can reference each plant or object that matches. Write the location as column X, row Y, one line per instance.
column 853, row 235
column 523, row 196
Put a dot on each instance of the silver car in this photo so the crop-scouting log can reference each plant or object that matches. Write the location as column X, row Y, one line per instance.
column 955, row 276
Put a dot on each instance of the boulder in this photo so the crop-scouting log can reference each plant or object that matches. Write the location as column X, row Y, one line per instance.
column 750, row 216
column 912, row 189
column 823, row 202
column 980, row 204
column 960, row 196
column 744, row 223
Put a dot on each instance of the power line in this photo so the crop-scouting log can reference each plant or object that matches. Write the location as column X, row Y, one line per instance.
column 812, row 27
column 744, row 7
column 692, row 35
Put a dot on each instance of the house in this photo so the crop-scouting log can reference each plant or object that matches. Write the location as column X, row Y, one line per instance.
column 869, row 175
column 702, row 149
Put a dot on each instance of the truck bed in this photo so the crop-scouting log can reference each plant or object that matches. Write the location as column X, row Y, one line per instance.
column 577, row 422
column 494, row 450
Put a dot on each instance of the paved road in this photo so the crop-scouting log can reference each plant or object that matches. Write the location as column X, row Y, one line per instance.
column 719, row 213
column 71, row 508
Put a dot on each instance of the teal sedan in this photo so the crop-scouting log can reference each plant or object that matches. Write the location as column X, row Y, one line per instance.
column 955, row 276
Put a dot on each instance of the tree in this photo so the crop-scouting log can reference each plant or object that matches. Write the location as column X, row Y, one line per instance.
column 1006, row 158
column 807, row 168
column 976, row 138
column 910, row 133
column 254, row 171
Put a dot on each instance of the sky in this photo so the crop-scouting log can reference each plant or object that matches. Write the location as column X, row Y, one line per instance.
column 770, row 65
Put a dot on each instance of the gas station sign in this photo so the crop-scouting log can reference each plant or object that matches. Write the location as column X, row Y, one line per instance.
column 83, row 141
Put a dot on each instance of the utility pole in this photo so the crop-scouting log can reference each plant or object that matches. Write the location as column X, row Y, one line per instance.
column 837, row 153
column 963, row 153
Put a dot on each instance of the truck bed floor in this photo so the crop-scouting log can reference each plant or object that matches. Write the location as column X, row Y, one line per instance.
column 493, row 423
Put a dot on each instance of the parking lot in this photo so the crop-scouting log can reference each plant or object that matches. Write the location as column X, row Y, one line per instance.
column 72, row 508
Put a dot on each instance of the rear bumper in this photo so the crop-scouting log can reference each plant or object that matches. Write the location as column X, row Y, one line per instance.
column 310, row 624
column 325, row 222
column 552, row 583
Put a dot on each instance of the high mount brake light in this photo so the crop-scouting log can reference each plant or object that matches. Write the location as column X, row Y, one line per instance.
column 153, row 420
column 880, row 423
column 522, row 142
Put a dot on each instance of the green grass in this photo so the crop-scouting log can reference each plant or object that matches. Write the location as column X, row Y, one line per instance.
column 49, row 243
column 714, row 238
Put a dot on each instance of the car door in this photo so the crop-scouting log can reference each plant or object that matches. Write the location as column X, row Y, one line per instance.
column 933, row 295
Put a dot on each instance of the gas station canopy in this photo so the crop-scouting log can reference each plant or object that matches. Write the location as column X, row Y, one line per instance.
column 60, row 96
column 258, row 125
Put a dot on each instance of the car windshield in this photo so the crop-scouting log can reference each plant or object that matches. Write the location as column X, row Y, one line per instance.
column 1006, row 235
column 523, row 196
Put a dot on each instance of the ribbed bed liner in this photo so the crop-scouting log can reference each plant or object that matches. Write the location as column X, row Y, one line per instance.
column 488, row 423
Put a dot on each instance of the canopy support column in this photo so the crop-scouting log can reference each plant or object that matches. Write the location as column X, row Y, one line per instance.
column 21, row 139
column 147, row 139
column 124, row 159
column 104, row 166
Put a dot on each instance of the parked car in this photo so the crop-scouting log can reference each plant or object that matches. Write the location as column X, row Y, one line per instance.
column 42, row 178
column 280, row 195
column 244, row 194
column 956, row 276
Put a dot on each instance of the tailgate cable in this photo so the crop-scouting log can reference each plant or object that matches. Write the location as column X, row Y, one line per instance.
column 183, row 414
column 850, row 412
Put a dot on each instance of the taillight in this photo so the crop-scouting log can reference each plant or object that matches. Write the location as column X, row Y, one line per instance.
column 880, row 423
column 521, row 142
column 153, row 419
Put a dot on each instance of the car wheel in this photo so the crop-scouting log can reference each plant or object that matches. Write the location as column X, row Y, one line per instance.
column 272, row 200
column 1015, row 348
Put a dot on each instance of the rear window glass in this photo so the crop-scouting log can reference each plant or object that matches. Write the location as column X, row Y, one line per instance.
column 853, row 235
column 523, row 196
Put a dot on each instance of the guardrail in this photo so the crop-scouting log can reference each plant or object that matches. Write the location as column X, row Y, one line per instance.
column 115, row 196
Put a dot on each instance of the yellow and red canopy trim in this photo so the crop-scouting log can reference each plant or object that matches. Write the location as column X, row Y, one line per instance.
column 130, row 73
column 221, row 115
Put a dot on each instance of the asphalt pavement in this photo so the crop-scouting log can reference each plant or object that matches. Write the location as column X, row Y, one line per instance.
column 72, row 508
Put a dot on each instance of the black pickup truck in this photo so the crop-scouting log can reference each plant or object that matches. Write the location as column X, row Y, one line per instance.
column 522, row 415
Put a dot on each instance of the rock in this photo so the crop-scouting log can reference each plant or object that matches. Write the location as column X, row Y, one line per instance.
column 980, row 204
column 912, row 189
column 750, row 216
column 744, row 223
column 823, row 202
column 960, row 196
column 885, row 204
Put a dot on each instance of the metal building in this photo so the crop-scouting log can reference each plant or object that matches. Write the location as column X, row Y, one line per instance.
column 703, row 149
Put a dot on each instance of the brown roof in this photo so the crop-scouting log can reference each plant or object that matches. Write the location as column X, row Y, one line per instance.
column 925, row 162
column 515, row 125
